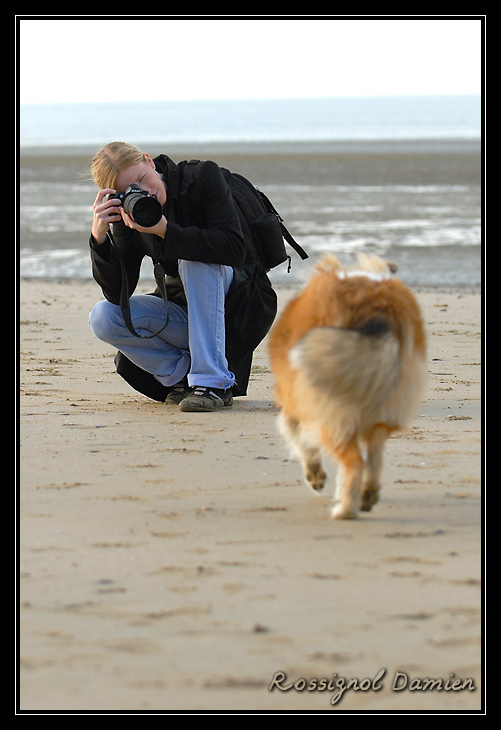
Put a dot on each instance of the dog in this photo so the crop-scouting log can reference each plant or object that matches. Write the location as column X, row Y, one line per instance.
column 348, row 355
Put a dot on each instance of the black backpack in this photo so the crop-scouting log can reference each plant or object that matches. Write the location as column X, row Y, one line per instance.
column 256, row 212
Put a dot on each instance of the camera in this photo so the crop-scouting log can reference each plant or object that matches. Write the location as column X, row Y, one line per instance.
column 139, row 205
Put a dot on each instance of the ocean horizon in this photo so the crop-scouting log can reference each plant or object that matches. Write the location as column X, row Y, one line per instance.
column 252, row 120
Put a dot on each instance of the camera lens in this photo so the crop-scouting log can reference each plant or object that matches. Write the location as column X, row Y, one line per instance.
column 143, row 209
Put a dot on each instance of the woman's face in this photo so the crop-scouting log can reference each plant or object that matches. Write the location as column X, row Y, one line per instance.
column 144, row 175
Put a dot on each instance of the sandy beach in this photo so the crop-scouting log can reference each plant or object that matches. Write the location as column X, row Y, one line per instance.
column 175, row 562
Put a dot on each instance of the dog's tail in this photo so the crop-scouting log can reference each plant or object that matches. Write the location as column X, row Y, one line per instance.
column 356, row 369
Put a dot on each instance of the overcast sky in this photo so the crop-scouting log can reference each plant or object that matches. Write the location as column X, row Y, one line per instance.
column 90, row 58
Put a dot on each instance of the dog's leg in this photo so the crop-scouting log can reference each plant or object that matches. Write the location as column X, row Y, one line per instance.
column 340, row 479
column 312, row 467
column 374, row 465
column 309, row 454
column 352, row 465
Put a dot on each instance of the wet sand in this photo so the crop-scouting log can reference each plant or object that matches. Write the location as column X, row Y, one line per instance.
column 176, row 562
column 349, row 163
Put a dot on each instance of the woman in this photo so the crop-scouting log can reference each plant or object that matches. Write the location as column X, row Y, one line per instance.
column 221, row 303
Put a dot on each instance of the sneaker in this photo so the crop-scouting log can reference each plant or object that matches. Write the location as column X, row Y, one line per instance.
column 206, row 399
column 178, row 392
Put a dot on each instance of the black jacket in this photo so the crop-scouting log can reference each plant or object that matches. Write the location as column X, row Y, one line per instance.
column 204, row 225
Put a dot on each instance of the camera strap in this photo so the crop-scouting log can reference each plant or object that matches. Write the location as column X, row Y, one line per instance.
column 159, row 274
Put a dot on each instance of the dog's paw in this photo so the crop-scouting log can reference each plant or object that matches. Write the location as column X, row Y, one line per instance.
column 369, row 499
column 315, row 477
column 339, row 512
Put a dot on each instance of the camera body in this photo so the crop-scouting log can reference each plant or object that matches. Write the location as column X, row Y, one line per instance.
column 139, row 205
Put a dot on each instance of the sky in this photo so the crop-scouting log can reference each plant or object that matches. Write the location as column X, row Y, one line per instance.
column 102, row 58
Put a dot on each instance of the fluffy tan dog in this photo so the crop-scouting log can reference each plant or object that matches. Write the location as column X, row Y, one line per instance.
column 349, row 357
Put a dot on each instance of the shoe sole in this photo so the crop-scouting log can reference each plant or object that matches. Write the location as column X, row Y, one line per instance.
column 176, row 398
column 202, row 407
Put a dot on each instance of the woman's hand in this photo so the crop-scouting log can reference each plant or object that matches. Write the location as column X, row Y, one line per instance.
column 159, row 229
column 105, row 212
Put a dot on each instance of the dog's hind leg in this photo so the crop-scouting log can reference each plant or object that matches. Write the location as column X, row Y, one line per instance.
column 312, row 468
column 374, row 465
column 348, row 491
column 308, row 452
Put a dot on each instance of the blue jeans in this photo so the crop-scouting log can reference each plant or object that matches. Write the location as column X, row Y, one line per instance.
column 193, row 342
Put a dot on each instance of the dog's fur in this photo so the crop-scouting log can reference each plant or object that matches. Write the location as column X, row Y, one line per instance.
column 349, row 357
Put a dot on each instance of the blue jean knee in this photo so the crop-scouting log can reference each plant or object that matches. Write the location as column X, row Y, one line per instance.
column 104, row 319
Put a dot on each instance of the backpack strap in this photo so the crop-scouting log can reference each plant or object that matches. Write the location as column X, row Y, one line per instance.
column 285, row 233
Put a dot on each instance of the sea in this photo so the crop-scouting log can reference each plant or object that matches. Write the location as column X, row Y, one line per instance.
column 397, row 176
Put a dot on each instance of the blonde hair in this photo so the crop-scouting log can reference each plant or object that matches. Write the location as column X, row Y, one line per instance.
column 111, row 160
